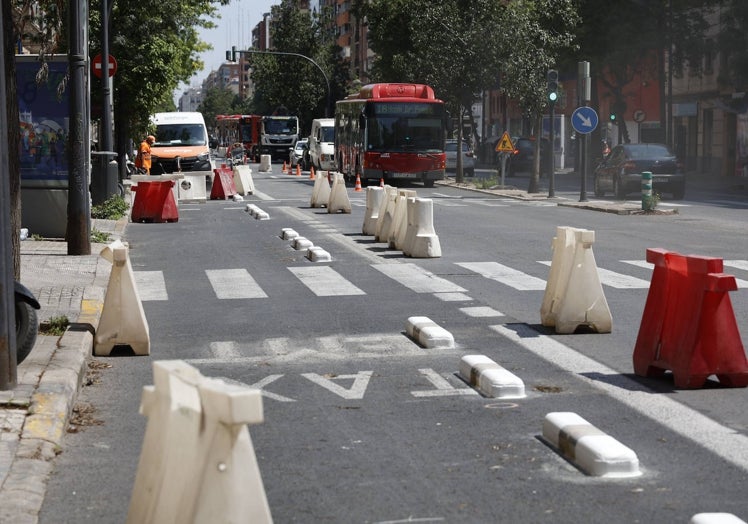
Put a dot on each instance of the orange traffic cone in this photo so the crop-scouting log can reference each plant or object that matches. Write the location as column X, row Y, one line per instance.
column 285, row 168
column 311, row 173
column 358, row 183
column 298, row 170
column 381, row 182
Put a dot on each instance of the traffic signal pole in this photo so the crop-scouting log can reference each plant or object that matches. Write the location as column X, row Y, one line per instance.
column 584, row 91
column 552, row 78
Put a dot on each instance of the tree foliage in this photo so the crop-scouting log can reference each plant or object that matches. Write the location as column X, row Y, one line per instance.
column 220, row 101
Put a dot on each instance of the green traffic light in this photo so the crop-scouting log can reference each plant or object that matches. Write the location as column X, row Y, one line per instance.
column 612, row 117
column 553, row 96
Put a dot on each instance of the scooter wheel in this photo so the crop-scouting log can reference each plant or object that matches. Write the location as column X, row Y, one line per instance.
column 27, row 326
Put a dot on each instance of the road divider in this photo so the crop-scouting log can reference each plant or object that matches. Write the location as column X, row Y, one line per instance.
column 421, row 241
column 256, row 212
column 288, row 233
column 223, row 183
column 338, row 201
column 374, row 196
column 301, row 243
column 573, row 293
column 321, row 190
column 491, row 379
column 243, row 180
column 317, row 254
column 428, row 333
column 588, row 448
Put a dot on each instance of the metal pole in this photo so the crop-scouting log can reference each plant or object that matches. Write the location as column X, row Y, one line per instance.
column 584, row 96
column 78, row 232
column 552, row 133
column 106, row 82
column 8, row 370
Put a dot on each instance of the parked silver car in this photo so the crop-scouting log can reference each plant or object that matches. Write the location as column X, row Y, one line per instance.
column 468, row 159
column 298, row 153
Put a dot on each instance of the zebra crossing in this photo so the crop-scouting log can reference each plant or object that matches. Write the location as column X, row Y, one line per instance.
column 325, row 281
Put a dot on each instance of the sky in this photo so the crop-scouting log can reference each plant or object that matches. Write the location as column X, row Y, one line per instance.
column 233, row 28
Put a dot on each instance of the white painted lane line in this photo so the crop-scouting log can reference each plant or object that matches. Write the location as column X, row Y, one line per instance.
column 442, row 387
column 506, row 275
column 418, row 279
column 151, row 285
column 233, row 284
column 613, row 279
column 324, row 281
column 481, row 312
column 737, row 264
column 689, row 423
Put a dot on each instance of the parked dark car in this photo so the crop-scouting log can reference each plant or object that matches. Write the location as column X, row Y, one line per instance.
column 620, row 172
column 521, row 160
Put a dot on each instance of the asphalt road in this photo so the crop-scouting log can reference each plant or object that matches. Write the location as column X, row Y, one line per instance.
column 364, row 425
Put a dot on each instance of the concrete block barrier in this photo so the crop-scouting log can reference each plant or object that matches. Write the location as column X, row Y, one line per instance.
column 374, row 196
column 301, row 243
column 243, row 180
column 338, row 201
column 192, row 187
column 317, row 254
column 421, row 241
column 400, row 221
column 197, row 462
column 588, row 448
column 428, row 333
column 288, row 233
column 716, row 518
column 265, row 165
column 122, row 321
column 256, row 212
column 573, row 294
column 491, row 379
column 388, row 190
column 321, row 190
column 384, row 230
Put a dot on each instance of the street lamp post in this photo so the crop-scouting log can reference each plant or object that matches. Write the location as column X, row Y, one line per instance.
column 283, row 53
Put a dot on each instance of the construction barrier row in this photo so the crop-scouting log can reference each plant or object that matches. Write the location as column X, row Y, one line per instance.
column 402, row 220
column 256, row 212
column 688, row 326
column 154, row 202
column 299, row 243
column 197, row 463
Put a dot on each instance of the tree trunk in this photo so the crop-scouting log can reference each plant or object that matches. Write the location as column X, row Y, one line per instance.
column 14, row 162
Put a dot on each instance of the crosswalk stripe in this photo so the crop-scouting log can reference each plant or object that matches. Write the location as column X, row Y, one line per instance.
column 234, row 283
column 151, row 285
column 417, row 279
column 506, row 275
column 613, row 279
column 324, row 281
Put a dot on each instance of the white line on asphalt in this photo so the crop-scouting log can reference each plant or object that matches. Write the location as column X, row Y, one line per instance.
column 418, row 279
column 355, row 392
column 151, row 285
column 262, row 196
column 613, row 279
column 234, row 283
column 324, row 281
column 737, row 264
column 506, row 275
column 442, row 387
column 723, row 441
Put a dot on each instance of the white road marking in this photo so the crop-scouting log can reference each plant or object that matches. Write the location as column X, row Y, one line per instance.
column 268, row 380
column 736, row 264
column 418, row 279
column 481, row 312
column 613, row 279
column 506, row 275
column 442, row 387
column 714, row 437
column 324, row 281
column 234, row 283
column 151, row 285
column 355, row 392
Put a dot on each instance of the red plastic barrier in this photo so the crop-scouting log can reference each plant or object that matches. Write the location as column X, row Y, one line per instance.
column 154, row 202
column 689, row 326
column 223, row 183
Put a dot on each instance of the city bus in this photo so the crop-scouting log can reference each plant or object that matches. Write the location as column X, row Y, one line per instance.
column 391, row 132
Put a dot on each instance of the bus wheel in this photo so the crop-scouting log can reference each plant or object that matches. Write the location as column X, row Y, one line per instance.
column 428, row 183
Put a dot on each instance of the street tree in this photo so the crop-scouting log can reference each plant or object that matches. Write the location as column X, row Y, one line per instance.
column 219, row 101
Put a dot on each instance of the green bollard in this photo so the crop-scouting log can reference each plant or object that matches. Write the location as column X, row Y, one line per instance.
column 647, row 201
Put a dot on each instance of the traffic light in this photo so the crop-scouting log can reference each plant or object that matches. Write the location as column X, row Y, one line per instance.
column 612, row 117
column 233, row 53
column 552, row 86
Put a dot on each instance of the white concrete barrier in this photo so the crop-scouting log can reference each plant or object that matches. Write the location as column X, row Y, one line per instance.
column 385, row 228
column 400, row 220
column 265, row 164
column 192, row 188
column 374, row 195
column 288, row 233
column 256, row 212
column 421, row 241
column 317, row 254
column 573, row 294
column 491, row 379
column 122, row 321
column 197, row 463
column 321, row 190
column 428, row 333
column 388, row 190
column 716, row 518
column 338, row 201
column 243, row 180
column 593, row 451
column 301, row 243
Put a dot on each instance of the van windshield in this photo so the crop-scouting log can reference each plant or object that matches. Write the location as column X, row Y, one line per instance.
column 180, row 134
column 328, row 134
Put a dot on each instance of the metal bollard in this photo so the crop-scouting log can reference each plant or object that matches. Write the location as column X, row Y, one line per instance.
column 647, row 201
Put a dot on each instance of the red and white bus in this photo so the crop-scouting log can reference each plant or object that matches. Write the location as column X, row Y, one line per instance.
column 231, row 129
column 391, row 132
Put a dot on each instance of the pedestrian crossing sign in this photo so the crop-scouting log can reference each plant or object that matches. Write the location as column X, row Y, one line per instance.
column 504, row 145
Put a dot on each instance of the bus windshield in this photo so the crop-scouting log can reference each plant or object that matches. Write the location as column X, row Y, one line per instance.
column 405, row 127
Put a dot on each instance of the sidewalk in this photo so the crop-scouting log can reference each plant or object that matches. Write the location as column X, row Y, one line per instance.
column 34, row 415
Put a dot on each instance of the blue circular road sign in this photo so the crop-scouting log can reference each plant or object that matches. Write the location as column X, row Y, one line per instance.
column 584, row 120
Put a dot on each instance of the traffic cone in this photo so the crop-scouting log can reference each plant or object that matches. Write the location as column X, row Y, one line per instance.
column 381, row 182
column 311, row 173
column 285, row 168
column 358, row 183
column 298, row 170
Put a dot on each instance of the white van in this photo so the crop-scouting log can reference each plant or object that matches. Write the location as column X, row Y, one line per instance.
column 322, row 144
column 181, row 143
